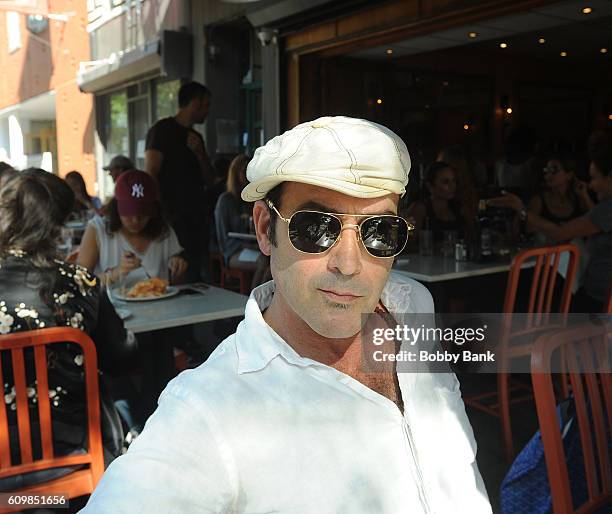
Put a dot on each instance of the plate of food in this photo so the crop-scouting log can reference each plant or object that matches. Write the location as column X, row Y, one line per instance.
column 146, row 290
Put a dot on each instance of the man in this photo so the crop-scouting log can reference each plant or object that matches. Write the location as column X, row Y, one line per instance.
column 118, row 165
column 176, row 156
column 284, row 416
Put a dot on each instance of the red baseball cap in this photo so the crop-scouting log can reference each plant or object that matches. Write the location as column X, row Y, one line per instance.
column 136, row 194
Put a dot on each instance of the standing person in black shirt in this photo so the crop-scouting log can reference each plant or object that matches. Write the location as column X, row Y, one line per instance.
column 176, row 156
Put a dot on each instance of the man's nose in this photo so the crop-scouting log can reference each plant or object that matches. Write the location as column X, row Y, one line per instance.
column 345, row 257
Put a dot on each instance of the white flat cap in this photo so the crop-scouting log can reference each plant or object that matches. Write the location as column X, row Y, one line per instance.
column 353, row 156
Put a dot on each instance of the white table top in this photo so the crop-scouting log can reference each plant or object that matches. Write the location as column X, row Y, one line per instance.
column 242, row 235
column 436, row 268
column 182, row 309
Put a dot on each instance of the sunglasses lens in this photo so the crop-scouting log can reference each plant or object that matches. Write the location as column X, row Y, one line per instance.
column 313, row 232
column 384, row 236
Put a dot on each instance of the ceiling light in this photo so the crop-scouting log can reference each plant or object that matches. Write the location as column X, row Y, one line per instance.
column 379, row 101
column 603, row 50
column 610, row 116
column 473, row 35
column 587, row 10
column 541, row 40
column 445, row 83
column 389, row 51
column 509, row 110
column 563, row 54
column 466, row 127
column 503, row 45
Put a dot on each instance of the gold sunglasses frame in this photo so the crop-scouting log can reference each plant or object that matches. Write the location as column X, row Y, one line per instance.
column 356, row 227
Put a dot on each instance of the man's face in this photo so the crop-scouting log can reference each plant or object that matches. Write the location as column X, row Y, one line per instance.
column 329, row 291
column 202, row 106
column 601, row 184
column 115, row 172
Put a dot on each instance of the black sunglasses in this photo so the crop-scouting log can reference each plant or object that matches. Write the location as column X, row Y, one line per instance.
column 382, row 235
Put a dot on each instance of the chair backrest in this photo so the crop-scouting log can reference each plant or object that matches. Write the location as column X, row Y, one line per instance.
column 545, row 272
column 608, row 305
column 16, row 343
column 584, row 352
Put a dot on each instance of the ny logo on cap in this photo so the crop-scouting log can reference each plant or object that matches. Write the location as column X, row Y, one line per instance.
column 137, row 191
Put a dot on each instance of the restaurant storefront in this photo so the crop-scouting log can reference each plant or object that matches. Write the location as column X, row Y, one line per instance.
column 447, row 72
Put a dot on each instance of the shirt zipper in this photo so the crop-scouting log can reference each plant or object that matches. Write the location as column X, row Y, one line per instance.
column 420, row 482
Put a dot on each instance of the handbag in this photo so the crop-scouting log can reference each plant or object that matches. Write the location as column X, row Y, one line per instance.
column 525, row 488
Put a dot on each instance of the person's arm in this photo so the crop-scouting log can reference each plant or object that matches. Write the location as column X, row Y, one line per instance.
column 177, row 265
column 578, row 227
column 535, row 208
column 180, row 463
column 155, row 150
column 89, row 253
column 153, row 162
column 196, row 143
column 584, row 198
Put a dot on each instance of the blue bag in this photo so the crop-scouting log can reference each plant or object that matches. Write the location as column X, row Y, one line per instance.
column 525, row 488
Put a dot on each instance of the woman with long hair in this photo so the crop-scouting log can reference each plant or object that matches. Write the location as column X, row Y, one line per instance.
column 439, row 205
column 38, row 290
column 563, row 197
column 83, row 200
column 133, row 241
column 232, row 215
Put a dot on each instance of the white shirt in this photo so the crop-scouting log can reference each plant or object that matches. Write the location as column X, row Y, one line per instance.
column 154, row 260
column 258, row 429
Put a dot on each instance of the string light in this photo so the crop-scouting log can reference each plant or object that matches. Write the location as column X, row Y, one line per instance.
column 541, row 40
column 563, row 54
column 389, row 51
column 509, row 110
column 379, row 101
column 503, row 45
column 587, row 10
column 603, row 50
column 473, row 35
column 466, row 127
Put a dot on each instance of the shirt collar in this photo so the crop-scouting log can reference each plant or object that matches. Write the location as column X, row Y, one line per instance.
column 257, row 343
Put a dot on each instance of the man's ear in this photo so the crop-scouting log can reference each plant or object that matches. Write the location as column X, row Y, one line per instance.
column 261, row 220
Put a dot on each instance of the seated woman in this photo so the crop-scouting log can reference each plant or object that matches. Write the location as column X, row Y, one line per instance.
column 133, row 242
column 83, row 201
column 232, row 215
column 595, row 224
column 37, row 291
column 440, row 209
column 563, row 197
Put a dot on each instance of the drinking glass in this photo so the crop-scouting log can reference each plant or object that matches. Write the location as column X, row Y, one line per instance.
column 449, row 239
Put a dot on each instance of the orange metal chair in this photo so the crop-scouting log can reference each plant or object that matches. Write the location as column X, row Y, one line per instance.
column 541, row 297
column 91, row 464
column 585, row 354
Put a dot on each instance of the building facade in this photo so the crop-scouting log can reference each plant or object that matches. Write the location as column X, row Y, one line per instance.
column 45, row 120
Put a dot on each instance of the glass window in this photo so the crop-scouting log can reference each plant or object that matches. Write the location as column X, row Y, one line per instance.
column 166, row 98
column 118, row 137
column 13, row 30
column 139, row 125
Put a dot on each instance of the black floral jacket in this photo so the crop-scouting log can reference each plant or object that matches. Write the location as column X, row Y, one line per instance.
column 61, row 295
